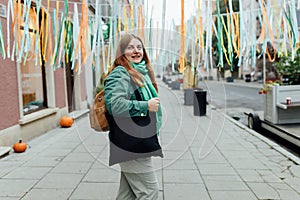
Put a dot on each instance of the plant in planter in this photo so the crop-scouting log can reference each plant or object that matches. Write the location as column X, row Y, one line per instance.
column 266, row 87
column 288, row 68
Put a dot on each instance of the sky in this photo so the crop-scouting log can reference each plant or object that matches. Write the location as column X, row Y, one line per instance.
column 173, row 10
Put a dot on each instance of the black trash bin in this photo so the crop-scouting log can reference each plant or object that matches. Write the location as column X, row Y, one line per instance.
column 200, row 102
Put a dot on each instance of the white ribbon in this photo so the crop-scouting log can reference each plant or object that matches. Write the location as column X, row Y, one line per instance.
column 75, row 35
column 10, row 11
column 37, row 44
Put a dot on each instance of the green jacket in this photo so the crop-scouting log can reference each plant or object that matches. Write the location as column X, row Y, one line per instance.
column 130, row 137
column 119, row 95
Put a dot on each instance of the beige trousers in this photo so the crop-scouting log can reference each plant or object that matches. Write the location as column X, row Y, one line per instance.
column 138, row 180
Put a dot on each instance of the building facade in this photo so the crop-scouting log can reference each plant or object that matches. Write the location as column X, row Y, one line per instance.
column 35, row 94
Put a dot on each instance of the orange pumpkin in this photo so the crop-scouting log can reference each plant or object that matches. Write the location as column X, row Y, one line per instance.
column 66, row 121
column 20, row 147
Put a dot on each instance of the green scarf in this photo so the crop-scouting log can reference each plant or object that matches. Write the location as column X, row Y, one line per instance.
column 148, row 91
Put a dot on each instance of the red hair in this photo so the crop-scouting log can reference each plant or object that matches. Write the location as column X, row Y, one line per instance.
column 121, row 60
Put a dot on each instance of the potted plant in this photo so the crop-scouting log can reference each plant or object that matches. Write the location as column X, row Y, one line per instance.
column 288, row 68
column 286, row 86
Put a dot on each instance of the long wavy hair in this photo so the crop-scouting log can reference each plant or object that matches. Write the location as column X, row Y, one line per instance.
column 121, row 60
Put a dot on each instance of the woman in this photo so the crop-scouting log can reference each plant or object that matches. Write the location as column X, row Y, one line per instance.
column 134, row 116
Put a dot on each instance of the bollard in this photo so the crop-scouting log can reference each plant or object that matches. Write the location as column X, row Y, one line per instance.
column 188, row 96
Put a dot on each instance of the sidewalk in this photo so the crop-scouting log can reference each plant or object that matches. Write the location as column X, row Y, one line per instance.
column 207, row 158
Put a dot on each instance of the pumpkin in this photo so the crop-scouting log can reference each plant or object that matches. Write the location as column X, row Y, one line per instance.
column 66, row 121
column 20, row 146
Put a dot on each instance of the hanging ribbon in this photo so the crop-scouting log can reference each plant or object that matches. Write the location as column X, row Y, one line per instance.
column 208, row 46
column 115, row 24
column 58, row 42
column 228, row 40
column 2, row 42
column 233, row 28
column 182, row 40
column 10, row 11
column 75, row 36
column 241, row 33
column 26, row 35
column 101, row 38
column 220, row 35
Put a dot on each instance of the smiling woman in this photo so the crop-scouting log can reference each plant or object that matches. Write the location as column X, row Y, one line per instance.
column 134, row 51
column 134, row 117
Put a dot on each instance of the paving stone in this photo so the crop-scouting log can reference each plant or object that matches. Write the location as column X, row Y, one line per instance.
column 250, row 175
column 72, row 167
column 181, row 176
column 55, row 153
column 247, row 164
column 232, row 195
column 288, row 194
column 174, row 155
column 48, row 194
column 204, row 157
column 268, row 176
column 285, row 191
column 294, row 182
column 43, row 162
column 59, row 181
column 226, row 178
column 224, row 183
column 216, row 169
column 176, row 191
column 9, row 198
column 92, row 191
column 99, row 163
column 264, row 191
column 95, row 149
column 15, row 187
column 179, row 164
column 80, row 157
column 64, row 145
column 102, row 176
column 295, row 170
column 28, row 173
column 21, row 157
column 6, row 166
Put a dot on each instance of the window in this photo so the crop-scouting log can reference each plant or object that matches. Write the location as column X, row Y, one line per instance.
column 33, row 77
column 32, row 87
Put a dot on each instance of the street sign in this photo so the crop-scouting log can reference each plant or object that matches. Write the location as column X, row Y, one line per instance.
column 106, row 29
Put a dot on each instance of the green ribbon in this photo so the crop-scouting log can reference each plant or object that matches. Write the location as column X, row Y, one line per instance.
column 148, row 91
column 2, row 42
column 220, row 36
column 292, row 29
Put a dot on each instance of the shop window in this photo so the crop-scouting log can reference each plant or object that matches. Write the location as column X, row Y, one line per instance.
column 33, row 76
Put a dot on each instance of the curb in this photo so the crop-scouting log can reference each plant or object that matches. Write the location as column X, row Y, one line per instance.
column 272, row 144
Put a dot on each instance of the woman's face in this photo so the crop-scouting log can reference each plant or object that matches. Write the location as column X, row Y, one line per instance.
column 134, row 51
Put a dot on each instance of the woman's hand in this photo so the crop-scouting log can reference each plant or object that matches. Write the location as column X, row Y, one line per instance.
column 153, row 104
